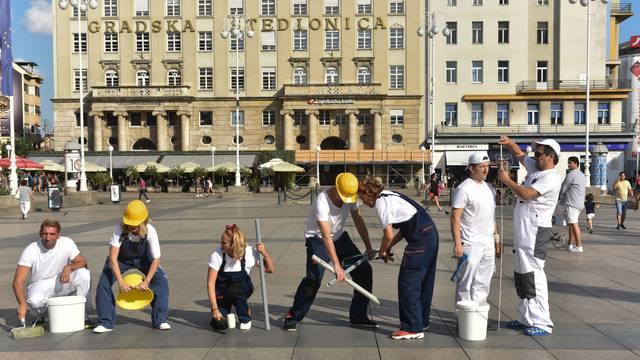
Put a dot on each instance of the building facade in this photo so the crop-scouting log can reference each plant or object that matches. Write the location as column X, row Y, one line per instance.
column 27, row 82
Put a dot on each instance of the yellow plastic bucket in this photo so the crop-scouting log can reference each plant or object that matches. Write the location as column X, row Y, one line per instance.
column 135, row 299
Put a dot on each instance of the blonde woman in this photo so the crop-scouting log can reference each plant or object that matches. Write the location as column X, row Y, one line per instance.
column 228, row 280
column 133, row 245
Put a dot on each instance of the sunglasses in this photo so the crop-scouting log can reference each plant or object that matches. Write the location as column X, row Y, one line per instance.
column 538, row 154
column 231, row 228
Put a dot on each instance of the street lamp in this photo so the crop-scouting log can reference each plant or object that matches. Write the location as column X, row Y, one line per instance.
column 587, row 4
column 431, row 24
column 111, row 163
column 13, row 175
column 213, row 162
column 80, row 6
column 235, row 28
column 424, row 150
column 318, row 148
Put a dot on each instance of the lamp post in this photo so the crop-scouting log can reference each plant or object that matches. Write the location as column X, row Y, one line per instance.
column 213, row 163
column 431, row 24
column 235, row 28
column 318, row 148
column 587, row 4
column 111, row 163
column 13, row 175
column 80, row 6
column 423, row 150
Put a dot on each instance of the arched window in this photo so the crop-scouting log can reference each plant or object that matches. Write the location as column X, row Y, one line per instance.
column 111, row 78
column 142, row 78
column 300, row 76
column 364, row 75
column 174, row 78
column 331, row 75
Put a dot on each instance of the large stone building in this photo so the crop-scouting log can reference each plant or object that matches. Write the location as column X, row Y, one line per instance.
column 27, row 82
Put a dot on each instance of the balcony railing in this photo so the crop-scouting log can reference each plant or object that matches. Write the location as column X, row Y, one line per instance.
column 332, row 89
column 571, row 85
column 139, row 92
column 525, row 129
column 623, row 7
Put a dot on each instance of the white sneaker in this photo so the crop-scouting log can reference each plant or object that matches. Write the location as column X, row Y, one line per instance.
column 164, row 326
column 577, row 249
column 245, row 326
column 101, row 329
column 148, row 201
column 571, row 247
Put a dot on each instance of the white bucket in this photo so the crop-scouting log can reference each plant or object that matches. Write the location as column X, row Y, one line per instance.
column 472, row 320
column 66, row 313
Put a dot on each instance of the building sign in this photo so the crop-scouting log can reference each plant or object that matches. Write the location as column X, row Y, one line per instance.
column 635, row 42
column 4, row 103
column 462, row 147
column 331, row 101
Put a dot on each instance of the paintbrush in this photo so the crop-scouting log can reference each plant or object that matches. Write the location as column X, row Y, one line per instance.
column 25, row 332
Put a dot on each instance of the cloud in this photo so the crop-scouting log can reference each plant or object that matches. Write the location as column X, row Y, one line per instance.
column 38, row 19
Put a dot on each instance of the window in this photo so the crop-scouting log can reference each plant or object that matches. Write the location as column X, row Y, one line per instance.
column 174, row 78
column 173, row 7
column 76, row 80
column 268, row 40
column 237, row 116
column 205, row 8
column 556, row 113
column 173, row 41
column 452, row 37
column 332, row 7
column 396, row 76
column 364, row 75
column 542, row 35
column 83, row 13
column 111, row 8
column 80, row 42
column 452, row 3
column 299, row 118
column 142, row 78
column 142, row 7
column 299, row 7
column 579, row 113
column 603, row 113
column 476, row 32
column 364, row 119
column 110, row 119
column 543, row 2
column 476, row 115
column 323, row 118
column 268, row 78
column 396, row 6
column 451, row 114
column 502, row 115
column 477, row 2
column 111, row 78
column 135, row 119
column 236, row 43
column 300, row 76
column 503, row 32
column 503, row 2
column 364, row 39
column 111, row 42
column 451, row 72
column 332, row 40
column 300, row 40
column 236, row 7
column 341, row 120
column 237, row 78
column 503, row 71
column 476, row 71
column 142, row 42
column 533, row 114
column 205, row 78
column 396, row 117
column 364, row 7
column 206, row 118
column 396, row 38
column 268, row 118
column 331, row 76
column 541, row 71
column 268, row 7
column 205, row 41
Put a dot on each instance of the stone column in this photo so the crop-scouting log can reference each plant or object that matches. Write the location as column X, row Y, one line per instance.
column 185, row 117
column 353, row 128
column 287, row 129
column 377, row 128
column 161, row 127
column 123, row 130
column 98, row 125
column 313, row 128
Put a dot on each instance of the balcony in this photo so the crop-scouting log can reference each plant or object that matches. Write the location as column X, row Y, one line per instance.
column 621, row 10
column 527, row 129
column 341, row 90
column 103, row 92
column 534, row 87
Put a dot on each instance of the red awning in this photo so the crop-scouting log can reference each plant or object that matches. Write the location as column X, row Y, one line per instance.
column 21, row 163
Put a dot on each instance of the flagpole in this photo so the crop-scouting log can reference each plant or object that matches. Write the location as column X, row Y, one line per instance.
column 13, row 176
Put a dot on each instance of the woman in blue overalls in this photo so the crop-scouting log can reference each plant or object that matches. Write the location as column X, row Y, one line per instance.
column 228, row 280
column 133, row 245
column 418, row 269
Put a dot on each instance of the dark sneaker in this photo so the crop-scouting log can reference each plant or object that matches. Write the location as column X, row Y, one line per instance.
column 622, row 226
column 364, row 323
column 289, row 323
column 618, row 227
column 590, row 231
column 88, row 324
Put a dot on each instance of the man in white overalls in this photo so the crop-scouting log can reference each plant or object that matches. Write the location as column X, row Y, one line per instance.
column 537, row 198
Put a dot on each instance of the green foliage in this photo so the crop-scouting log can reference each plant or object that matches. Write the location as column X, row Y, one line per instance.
column 4, row 191
column 176, row 172
column 244, row 172
column 266, row 172
column 152, row 173
column 254, row 183
column 220, row 173
column 99, row 179
column 199, row 172
column 132, row 174
column 286, row 155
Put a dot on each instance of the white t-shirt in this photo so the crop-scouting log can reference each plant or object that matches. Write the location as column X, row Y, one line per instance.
column 233, row 265
column 46, row 264
column 478, row 216
column 547, row 183
column 152, row 239
column 393, row 209
column 325, row 210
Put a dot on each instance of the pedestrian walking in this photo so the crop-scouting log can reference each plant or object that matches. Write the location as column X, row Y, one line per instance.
column 572, row 194
column 25, row 196
column 590, row 206
column 142, row 190
column 198, row 186
column 209, row 187
column 434, row 193
column 622, row 189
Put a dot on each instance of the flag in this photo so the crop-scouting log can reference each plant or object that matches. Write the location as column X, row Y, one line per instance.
column 6, row 59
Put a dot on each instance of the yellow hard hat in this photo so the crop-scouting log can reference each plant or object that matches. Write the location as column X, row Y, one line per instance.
column 135, row 299
column 347, row 186
column 135, row 214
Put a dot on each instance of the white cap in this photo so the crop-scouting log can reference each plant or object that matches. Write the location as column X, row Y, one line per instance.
column 478, row 158
column 551, row 143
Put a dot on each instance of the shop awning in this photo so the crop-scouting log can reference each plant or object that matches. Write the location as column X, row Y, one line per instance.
column 457, row 158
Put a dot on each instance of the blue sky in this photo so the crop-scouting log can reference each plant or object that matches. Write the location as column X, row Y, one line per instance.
column 32, row 40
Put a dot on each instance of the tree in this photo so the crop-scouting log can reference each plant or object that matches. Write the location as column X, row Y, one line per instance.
column 199, row 172
column 151, row 172
column 176, row 172
column 132, row 174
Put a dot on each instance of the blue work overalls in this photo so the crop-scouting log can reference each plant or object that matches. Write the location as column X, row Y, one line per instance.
column 132, row 255
column 418, row 269
column 233, row 288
